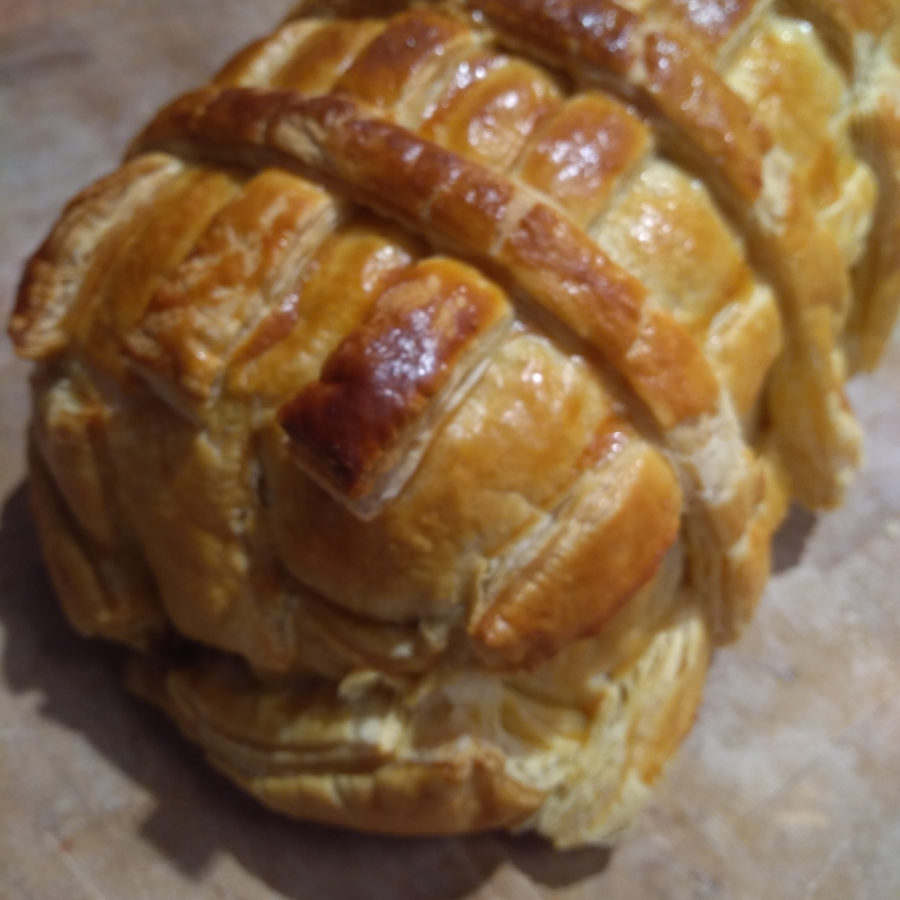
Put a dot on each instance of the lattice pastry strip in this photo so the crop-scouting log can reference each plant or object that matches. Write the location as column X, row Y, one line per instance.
column 199, row 316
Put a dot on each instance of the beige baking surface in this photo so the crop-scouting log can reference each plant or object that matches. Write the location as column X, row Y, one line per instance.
column 789, row 786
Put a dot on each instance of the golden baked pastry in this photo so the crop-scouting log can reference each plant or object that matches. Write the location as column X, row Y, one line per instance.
column 419, row 398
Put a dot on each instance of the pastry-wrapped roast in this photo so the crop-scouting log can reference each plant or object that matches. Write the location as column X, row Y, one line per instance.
column 419, row 399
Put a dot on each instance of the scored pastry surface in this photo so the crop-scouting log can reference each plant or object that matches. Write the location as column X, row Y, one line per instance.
column 420, row 397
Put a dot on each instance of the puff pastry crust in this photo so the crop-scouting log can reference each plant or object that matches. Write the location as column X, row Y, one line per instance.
column 419, row 398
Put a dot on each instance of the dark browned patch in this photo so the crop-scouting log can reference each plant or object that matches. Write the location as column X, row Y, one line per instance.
column 382, row 375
